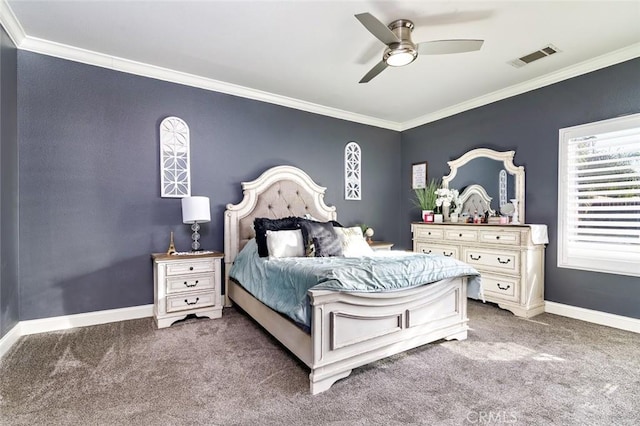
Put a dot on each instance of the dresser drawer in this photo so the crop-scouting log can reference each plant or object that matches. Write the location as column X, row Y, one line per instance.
column 499, row 287
column 461, row 235
column 190, row 267
column 190, row 301
column 497, row 260
column 500, row 237
column 428, row 233
column 440, row 249
column 190, row 283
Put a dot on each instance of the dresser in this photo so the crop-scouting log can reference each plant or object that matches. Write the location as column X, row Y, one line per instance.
column 510, row 259
column 186, row 284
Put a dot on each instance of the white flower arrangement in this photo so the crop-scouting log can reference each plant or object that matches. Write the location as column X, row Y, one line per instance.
column 448, row 197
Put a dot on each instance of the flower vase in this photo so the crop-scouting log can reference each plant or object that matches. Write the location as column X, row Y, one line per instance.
column 445, row 213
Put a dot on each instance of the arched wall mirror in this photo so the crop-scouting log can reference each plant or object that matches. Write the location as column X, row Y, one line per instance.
column 492, row 170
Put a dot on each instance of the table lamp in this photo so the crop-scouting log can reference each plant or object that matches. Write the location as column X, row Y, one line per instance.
column 195, row 210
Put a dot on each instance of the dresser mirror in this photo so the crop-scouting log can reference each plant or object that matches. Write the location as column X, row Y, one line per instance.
column 495, row 172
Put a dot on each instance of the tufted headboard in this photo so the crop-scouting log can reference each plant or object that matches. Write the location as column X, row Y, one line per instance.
column 279, row 192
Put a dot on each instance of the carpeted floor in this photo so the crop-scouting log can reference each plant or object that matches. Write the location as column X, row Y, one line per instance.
column 546, row 371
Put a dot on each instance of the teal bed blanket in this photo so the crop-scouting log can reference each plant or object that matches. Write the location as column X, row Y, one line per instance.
column 282, row 283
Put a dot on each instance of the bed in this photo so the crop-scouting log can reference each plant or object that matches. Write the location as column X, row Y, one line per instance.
column 347, row 329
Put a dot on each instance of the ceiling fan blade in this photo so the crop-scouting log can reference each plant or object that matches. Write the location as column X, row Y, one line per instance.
column 441, row 47
column 380, row 66
column 377, row 28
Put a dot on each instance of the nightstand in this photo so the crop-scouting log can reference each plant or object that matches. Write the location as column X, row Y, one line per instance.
column 186, row 284
column 380, row 245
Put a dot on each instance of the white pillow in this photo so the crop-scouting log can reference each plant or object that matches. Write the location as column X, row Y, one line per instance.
column 353, row 242
column 285, row 243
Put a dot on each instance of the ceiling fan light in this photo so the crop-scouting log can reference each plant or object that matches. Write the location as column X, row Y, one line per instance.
column 400, row 58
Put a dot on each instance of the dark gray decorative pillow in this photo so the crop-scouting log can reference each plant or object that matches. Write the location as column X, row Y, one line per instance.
column 324, row 239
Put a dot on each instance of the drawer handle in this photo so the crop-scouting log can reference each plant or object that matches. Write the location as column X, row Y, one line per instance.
column 473, row 258
column 448, row 255
column 426, row 252
column 191, row 268
column 429, row 233
column 191, row 303
column 459, row 235
column 191, row 285
column 497, row 237
column 504, row 262
column 503, row 288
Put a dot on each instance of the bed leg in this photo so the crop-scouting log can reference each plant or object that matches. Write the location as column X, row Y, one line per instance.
column 320, row 384
column 457, row 336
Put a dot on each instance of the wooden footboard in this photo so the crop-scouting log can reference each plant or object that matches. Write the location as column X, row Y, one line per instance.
column 349, row 330
column 354, row 329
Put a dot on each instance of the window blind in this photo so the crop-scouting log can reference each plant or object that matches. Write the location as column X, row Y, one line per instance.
column 601, row 196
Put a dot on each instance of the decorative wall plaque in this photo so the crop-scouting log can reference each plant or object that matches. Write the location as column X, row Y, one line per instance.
column 175, row 174
column 352, row 172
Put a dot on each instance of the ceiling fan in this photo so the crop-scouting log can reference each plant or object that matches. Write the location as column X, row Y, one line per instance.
column 401, row 50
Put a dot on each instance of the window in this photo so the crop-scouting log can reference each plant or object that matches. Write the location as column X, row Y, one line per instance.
column 599, row 196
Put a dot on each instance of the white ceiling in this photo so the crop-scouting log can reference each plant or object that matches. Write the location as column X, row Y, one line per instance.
column 311, row 54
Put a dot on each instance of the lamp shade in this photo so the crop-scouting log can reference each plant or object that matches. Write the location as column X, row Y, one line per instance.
column 196, row 209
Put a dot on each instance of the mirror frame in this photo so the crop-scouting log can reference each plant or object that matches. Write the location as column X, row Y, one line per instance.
column 507, row 160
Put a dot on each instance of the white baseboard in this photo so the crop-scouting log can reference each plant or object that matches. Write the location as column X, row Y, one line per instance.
column 9, row 339
column 596, row 317
column 65, row 322
column 85, row 319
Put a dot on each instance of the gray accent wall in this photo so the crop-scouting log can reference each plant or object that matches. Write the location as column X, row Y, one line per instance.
column 90, row 207
column 85, row 167
column 9, row 289
column 529, row 124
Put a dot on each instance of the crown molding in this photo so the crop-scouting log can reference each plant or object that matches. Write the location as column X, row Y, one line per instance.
column 49, row 48
column 11, row 24
column 84, row 56
column 609, row 59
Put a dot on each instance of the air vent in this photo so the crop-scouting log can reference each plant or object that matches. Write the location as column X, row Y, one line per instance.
column 534, row 56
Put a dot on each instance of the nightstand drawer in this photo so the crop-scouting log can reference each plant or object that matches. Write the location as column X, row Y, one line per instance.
column 190, row 267
column 190, row 283
column 444, row 250
column 501, row 261
column 505, row 288
column 500, row 237
column 190, row 301
column 425, row 232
